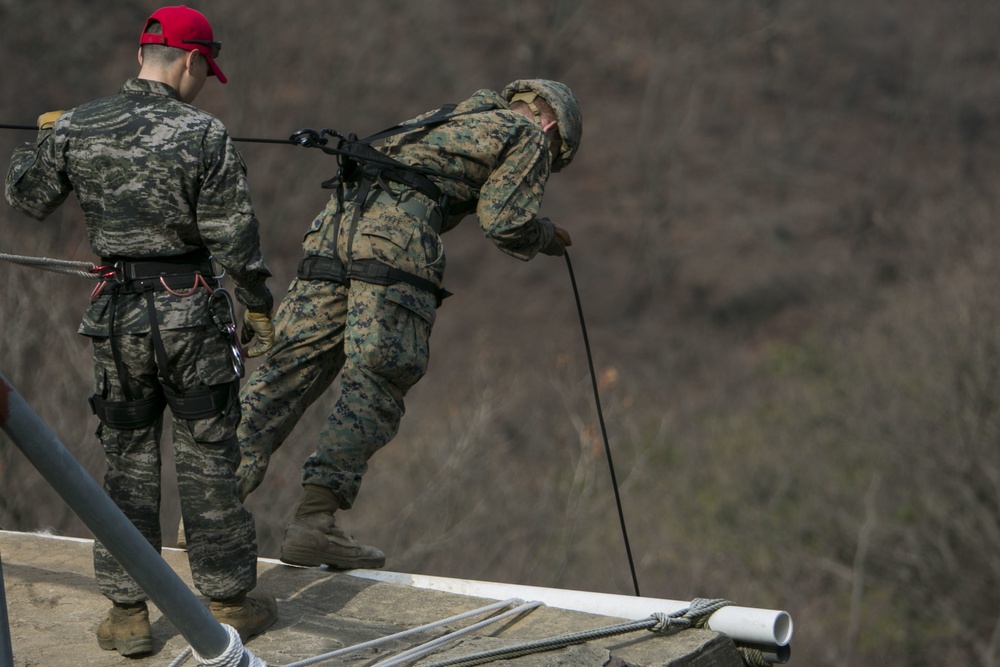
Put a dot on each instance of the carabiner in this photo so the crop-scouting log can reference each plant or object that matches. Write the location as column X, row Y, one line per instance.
column 228, row 329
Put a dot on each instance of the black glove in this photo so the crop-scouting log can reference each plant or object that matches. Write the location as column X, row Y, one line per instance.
column 560, row 241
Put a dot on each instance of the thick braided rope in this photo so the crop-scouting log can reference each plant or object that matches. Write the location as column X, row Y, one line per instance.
column 68, row 267
column 231, row 657
column 752, row 657
column 696, row 615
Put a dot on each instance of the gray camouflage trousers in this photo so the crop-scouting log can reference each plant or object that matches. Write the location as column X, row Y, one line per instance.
column 376, row 338
column 222, row 545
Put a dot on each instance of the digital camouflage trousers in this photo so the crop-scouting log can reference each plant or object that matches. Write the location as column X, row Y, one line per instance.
column 376, row 338
column 222, row 545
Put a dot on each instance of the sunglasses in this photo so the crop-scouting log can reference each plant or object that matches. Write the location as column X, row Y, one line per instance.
column 214, row 44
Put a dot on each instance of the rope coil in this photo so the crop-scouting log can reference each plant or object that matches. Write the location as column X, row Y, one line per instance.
column 231, row 657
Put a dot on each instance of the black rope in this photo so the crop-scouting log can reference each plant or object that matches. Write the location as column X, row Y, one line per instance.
column 600, row 417
column 255, row 140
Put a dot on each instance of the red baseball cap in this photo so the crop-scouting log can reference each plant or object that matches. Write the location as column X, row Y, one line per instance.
column 188, row 29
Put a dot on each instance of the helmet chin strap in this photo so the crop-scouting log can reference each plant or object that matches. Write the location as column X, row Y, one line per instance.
column 528, row 97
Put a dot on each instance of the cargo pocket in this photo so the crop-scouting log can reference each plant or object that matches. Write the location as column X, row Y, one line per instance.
column 387, row 241
column 394, row 338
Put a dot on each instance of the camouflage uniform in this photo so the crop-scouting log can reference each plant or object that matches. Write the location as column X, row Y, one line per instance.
column 157, row 179
column 376, row 337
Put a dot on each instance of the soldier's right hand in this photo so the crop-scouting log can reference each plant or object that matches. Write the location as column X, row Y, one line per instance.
column 560, row 241
column 259, row 326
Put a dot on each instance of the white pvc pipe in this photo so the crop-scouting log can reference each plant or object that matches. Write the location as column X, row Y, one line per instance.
column 758, row 626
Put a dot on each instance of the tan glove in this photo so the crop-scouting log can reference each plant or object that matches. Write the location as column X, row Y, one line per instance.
column 47, row 120
column 560, row 241
column 259, row 326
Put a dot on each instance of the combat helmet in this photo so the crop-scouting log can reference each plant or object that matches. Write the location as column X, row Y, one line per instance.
column 566, row 108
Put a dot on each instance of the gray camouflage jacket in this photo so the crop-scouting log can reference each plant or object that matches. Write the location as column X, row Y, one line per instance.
column 155, row 178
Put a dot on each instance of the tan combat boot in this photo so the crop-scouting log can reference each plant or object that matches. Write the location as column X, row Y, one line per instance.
column 126, row 629
column 249, row 614
column 312, row 537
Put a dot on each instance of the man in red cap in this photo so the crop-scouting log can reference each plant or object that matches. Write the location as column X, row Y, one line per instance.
column 186, row 29
column 164, row 193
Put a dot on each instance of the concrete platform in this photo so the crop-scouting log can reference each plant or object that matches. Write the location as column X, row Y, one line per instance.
column 54, row 608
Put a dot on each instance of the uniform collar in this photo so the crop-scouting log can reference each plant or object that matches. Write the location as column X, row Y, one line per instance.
column 150, row 87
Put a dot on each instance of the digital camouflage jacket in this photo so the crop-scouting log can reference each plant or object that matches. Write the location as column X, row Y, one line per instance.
column 155, row 178
column 504, row 153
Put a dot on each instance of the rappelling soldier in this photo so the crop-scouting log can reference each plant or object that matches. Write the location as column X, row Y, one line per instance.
column 369, row 284
column 165, row 201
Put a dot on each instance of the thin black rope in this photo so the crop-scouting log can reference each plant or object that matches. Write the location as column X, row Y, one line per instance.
column 600, row 418
column 255, row 140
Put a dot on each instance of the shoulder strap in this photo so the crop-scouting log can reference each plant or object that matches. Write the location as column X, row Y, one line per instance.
column 442, row 115
column 360, row 149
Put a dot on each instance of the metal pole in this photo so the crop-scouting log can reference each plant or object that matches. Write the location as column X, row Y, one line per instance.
column 110, row 526
column 6, row 652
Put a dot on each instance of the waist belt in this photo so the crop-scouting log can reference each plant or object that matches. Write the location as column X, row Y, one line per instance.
column 132, row 276
column 317, row 267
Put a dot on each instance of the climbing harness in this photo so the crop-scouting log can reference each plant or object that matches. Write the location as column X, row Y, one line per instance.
column 168, row 274
column 364, row 177
column 181, row 277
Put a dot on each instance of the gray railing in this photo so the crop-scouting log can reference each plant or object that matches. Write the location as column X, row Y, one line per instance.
column 207, row 637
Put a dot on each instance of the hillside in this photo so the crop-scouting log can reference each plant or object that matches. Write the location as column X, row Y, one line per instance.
column 784, row 225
